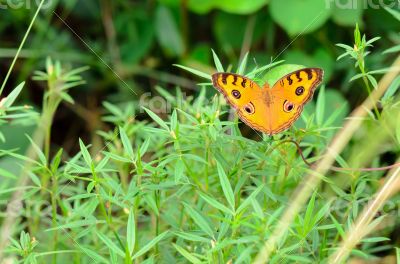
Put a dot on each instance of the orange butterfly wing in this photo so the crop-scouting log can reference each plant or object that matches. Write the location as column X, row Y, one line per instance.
column 289, row 95
column 269, row 110
column 246, row 97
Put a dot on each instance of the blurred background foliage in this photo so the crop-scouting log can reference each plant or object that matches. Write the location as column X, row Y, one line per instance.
column 130, row 48
column 140, row 40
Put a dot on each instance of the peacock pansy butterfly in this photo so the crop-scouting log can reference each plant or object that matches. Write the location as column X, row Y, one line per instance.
column 269, row 110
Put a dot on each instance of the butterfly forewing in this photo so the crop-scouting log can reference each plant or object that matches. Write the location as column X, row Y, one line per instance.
column 298, row 86
column 246, row 97
column 289, row 94
column 237, row 89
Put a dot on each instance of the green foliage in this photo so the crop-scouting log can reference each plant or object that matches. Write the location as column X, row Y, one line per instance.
column 288, row 15
column 130, row 184
column 235, row 6
column 348, row 16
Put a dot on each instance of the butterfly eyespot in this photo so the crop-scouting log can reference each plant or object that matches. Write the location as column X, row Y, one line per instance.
column 236, row 94
column 299, row 90
column 288, row 106
column 249, row 108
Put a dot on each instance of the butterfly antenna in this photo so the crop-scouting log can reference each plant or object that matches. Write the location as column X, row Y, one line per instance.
column 268, row 69
column 272, row 61
column 334, row 168
column 255, row 62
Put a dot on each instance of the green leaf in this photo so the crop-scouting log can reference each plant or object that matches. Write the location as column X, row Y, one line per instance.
column 55, row 163
column 149, row 245
column 199, row 220
column 372, row 81
column 217, row 62
column 186, row 254
column 76, row 224
column 245, row 255
column 299, row 17
column 66, row 97
column 131, row 232
column 374, row 239
column 257, row 208
column 7, row 174
column 157, row 119
column 394, row 86
column 113, row 109
column 150, row 201
column 253, row 73
column 369, row 42
column 357, row 76
column 243, row 64
column 10, row 99
column 179, row 169
column 85, row 154
column 144, row 147
column 393, row 12
column 224, row 227
column 136, row 32
column 35, row 179
column 309, row 212
column 229, row 6
column 110, row 244
column 167, row 32
column 398, row 132
column 93, row 255
column 249, row 199
column 338, row 226
column 226, row 186
column 126, row 143
column 192, row 237
column 113, row 257
column 336, row 108
column 195, row 72
column 38, row 151
column 392, row 49
column 278, row 72
column 320, row 112
column 347, row 13
column 174, row 121
column 214, row 203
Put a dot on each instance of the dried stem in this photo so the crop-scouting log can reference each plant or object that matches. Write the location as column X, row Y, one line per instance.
column 362, row 225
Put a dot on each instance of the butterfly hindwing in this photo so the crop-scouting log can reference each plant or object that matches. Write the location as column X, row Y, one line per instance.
column 282, row 115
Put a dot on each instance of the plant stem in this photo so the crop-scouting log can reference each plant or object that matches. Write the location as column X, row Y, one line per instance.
column 20, row 46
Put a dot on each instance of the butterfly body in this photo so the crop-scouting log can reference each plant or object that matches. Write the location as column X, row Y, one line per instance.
column 269, row 109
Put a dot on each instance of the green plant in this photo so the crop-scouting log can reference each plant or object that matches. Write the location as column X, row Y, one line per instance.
column 191, row 184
